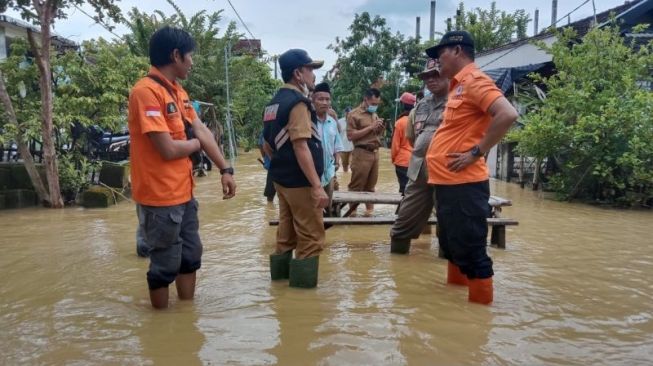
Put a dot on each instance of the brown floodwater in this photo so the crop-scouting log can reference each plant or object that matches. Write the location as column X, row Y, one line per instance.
column 573, row 288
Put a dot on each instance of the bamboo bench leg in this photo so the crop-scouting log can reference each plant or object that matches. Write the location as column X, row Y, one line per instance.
column 498, row 237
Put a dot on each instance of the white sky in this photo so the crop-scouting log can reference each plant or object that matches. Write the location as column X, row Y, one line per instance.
column 313, row 25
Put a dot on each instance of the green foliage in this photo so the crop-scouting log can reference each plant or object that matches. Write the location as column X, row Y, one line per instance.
column 492, row 28
column 93, row 85
column 90, row 87
column 251, row 84
column 74, row 173
column 365, row 57
column 596, row 122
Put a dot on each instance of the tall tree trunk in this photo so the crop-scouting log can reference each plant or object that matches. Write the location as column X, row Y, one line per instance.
column 23, row 149
column 46, row 12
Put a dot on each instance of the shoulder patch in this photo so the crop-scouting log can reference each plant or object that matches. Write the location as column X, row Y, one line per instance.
column 270, row 113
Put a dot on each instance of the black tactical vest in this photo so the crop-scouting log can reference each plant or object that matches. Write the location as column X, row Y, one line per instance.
column 284, row 167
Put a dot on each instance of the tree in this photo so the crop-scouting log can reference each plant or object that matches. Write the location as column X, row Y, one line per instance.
column 492, row 28
column 365, row 58
column 251, row 84
column 91, row 87
column 44, row 13
column 596, row 123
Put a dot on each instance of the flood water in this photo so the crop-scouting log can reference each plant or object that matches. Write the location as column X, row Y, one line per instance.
column 573, row 287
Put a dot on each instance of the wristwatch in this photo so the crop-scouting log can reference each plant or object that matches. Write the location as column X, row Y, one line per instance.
column 229, row 170
column 476, row 151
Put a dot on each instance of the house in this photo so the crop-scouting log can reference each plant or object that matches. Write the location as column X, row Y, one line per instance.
column 11, row 29
column 511, row 62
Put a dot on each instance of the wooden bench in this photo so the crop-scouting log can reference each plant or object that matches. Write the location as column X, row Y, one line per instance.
column 344, row 198
column 498, row 237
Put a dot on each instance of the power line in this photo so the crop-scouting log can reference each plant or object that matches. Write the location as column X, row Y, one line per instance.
column 242, row 22
column 97, row 21
column 557, row 21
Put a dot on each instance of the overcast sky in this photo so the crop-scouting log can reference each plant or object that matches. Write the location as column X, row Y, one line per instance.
column 313, row 25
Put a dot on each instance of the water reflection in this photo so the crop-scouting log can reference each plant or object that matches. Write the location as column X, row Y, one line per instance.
column 572, row 288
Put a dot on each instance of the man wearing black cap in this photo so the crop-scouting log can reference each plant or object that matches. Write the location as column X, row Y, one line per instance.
column 290, row 133
column 476, row 117
column 417, row 204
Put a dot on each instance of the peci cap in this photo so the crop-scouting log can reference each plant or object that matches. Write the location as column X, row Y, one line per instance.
column 296, row 58
column 452, row 38
column 432, row 67
column 322, row 87
column 407, row 98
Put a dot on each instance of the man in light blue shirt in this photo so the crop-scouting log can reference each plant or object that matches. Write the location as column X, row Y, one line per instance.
column 331, row 142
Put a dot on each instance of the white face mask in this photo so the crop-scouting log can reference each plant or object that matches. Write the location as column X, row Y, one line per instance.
column 427, row 93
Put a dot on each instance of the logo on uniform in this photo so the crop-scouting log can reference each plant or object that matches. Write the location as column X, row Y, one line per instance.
column 455, row 38
column 171, row 108
column 270, row 113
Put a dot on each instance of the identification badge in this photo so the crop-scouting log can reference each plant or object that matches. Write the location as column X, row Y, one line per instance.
column 270, row 113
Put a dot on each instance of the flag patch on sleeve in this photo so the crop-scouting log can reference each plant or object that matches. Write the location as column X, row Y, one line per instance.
column 270, row 112
column 153, row 111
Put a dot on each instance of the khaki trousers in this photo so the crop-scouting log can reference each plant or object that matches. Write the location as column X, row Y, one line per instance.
column 344, row 159
column 415, row 208
column 300, row 223
column 364, row 170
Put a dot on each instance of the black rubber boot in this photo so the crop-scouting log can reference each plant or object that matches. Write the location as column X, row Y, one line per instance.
column 303, row 272
column 399, row 246
column 280, row 266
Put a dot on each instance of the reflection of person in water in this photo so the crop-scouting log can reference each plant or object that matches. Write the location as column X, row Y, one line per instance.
column 440, row 329
column 157, row 330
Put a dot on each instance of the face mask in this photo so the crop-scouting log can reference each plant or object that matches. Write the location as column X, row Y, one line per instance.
column 372, row 108
column 427, row 93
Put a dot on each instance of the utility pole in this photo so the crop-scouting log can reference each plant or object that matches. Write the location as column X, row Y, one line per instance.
column 275, row 58
column 230, row 126
column 537, row 21
column 432, row 28
column 554, row 13
column 417, row 26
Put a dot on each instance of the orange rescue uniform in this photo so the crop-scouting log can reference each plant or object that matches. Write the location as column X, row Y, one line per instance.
column 465, row 120
column 155, row 181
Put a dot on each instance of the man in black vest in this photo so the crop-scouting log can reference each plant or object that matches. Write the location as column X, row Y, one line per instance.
column 292, row 139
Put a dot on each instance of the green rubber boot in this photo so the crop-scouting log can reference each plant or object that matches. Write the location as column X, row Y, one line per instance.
column 399, row 246
column 280, row 265
column 303, row 272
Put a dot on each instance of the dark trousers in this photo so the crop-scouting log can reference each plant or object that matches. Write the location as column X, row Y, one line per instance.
column 269, row 190
column 462, row 212
column 402, row 177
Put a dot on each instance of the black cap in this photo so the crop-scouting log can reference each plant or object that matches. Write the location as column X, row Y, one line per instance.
column 296, row 58
column 452, row 38
column 322, row 87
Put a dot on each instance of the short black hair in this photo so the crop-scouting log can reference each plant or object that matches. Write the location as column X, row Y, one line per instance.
column 407, row 107
column 372, row 92
column 165, row 40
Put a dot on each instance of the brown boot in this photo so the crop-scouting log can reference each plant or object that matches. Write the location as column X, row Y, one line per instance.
column 481, row 291
column 454, row 276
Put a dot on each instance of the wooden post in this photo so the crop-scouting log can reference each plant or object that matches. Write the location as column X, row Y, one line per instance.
column 498, row 236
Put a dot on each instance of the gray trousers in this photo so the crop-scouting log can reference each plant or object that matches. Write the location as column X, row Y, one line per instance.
column 415, row 208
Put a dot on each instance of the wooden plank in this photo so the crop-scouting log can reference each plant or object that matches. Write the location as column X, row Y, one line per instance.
column 393, row 198
column 380, row 220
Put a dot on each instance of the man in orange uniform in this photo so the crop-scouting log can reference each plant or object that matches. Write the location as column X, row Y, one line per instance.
column 401, row 149
column 161, row 171
column 476, row 117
